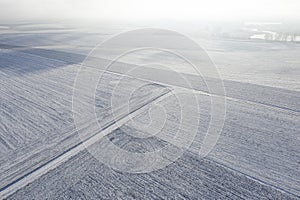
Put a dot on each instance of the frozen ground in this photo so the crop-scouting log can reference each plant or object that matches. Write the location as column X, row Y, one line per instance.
column 256, row 156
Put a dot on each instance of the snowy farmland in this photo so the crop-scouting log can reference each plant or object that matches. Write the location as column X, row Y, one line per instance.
column 41, row 153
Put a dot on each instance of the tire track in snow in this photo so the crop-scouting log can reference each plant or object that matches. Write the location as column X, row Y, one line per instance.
column 53, row 163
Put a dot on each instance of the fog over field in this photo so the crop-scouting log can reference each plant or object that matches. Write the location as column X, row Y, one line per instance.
column 149, row 99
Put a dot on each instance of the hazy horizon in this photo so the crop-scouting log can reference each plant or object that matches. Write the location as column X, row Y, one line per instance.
column 135, row 10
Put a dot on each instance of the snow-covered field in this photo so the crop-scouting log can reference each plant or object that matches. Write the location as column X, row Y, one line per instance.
column 256, row 156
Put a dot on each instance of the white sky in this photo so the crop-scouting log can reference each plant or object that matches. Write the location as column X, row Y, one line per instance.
column 150, row 9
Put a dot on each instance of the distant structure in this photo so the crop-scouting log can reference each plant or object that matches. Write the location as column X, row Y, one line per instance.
column 258, row 31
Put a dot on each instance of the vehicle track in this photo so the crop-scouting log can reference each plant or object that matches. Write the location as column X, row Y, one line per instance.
column 64, row 156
